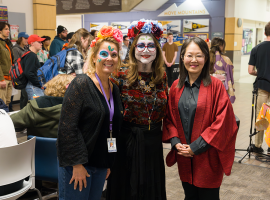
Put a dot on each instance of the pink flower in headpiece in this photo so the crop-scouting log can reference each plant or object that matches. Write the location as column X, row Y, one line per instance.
column 117, row 34
column 93, row 43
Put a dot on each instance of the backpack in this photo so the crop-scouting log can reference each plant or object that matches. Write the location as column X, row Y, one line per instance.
column 53, row 66
column 19, row 80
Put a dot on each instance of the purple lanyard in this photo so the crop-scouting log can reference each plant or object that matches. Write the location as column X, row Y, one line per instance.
column 111, row 108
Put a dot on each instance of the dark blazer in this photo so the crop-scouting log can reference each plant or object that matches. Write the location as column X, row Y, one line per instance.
column 81, row 119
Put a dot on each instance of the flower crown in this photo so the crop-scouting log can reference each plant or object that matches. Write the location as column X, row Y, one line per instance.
column 106, row 32
column 145, row 26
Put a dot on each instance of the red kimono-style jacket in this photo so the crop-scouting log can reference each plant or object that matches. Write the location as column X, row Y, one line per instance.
column 215, row 122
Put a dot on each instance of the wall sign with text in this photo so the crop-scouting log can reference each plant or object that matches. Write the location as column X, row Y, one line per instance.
column 86, row 6
column 185, row 9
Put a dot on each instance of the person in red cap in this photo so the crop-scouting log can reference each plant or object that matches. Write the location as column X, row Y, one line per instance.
column 31, row 64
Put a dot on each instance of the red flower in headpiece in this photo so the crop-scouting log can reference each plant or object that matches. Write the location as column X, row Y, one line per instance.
column 156, row 31
column 140, row 25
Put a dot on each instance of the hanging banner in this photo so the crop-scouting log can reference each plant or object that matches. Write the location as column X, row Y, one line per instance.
column 87, row 6
column 14, row 32
column 3, row 14
column 185, row 9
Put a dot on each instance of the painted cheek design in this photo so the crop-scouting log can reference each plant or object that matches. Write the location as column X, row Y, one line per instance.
column 99, row 60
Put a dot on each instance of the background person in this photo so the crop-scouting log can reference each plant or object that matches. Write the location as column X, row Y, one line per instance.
column 31, row 65
column 41, row 115
column 43, row 54
column 6, row 61
column 21, row 45
column 75, row 59
column 69, row 36
column 59, row 40
column 85, row 121
column 200, row 125
column 260, row 59
column 94, row 33
column 124, row 47
column 169, row 52
column 139, row 171
column 221, row 66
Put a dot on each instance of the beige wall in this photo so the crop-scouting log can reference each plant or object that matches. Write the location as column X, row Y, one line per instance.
column 44, row 12
column 22, row 6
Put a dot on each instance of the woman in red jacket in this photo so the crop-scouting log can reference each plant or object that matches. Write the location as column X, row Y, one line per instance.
column 200, row 125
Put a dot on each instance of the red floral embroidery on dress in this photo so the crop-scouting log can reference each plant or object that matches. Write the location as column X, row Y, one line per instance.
column 132, row 98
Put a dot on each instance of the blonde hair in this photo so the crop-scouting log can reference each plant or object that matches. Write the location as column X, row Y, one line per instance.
column 157, row 65
column 76, row 39
column 57, row 86
column 91, row 66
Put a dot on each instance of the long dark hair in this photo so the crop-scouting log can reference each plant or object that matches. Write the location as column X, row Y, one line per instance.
column 215, row 44
column 205, row 75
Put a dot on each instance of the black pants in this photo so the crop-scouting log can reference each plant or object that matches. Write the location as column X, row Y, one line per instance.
column 23, row 99
column 195, row 193
column 169, row 72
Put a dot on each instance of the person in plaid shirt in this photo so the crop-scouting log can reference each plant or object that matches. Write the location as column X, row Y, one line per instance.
column 75, row 59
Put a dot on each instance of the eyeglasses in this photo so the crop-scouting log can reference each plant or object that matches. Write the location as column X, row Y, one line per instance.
column 141, row 47
column 197, row 57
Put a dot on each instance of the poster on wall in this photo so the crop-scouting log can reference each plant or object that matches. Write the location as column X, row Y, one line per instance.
column 196, row 25
column 97, row 25
column 203, row 36
column 14, row 32
column 3, row 14
column 86, row 6
column 247, row 41
column 174, row 27
column 123, row 26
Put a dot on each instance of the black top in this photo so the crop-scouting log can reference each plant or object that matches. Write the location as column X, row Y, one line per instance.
column 260, row 58
column 100, row 157
column 30, row 65
column 82, row 121
column 187, row 108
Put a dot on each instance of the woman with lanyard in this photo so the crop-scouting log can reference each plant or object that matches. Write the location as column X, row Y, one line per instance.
column 139, row 171
column 199, row 124
column 90, row 121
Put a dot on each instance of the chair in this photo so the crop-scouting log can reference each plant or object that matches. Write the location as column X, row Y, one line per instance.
column 17, row 163
column 46, row 163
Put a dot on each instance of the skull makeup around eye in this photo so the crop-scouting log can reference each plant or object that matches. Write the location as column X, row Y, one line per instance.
column 103, row 54
column 145, row 50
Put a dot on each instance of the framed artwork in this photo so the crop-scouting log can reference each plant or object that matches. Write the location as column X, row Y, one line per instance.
column 97, row 25
column 204, row 36
column 123, row 26
column 171, row 26
column 195, row 25
column 247, row 41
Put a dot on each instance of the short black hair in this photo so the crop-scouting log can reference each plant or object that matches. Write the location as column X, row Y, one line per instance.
column 3, row 25
column 124, row 38
column 46, row 38
column 267, row 29
column 93, row 32
column 205, row 75
column 69, row 36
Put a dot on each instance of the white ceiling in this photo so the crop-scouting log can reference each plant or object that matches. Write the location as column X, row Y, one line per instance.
column 149, row 5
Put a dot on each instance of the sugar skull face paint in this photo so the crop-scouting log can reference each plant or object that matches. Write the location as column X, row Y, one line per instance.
column 145, row 51
column 106, row 59
column 104, row 54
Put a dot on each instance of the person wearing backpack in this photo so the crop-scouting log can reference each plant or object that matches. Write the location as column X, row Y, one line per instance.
column 75, row 59
column 59, row 40
column 19, row 49
column 6, row 61
column 30, row 65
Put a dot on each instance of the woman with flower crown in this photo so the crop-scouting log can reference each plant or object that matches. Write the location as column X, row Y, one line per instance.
column 90, row 121
column 139, row 172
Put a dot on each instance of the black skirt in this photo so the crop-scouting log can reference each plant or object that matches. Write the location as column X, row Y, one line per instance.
column 138, row 172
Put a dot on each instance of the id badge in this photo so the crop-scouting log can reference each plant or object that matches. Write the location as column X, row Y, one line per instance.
column 111, row 142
